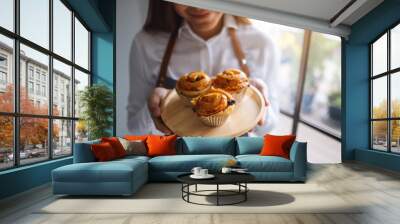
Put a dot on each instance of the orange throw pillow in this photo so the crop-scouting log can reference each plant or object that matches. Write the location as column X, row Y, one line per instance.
column 103, row 152
column 161, row 145
column 277, row 145
column 116, row 145
column 136, row 137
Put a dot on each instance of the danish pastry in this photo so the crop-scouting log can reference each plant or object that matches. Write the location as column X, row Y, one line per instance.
column 214, row 107
column 191, row 85
column 233, row 81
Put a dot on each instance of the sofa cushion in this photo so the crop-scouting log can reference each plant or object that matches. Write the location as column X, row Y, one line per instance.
column 83, row 152
column 249, row 145
column 257, row 163
column 207, row 145
column 185, row 163
column 112, row 171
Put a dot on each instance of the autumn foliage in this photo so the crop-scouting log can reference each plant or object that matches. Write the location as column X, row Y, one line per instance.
column 380, row 127
column 33, row 131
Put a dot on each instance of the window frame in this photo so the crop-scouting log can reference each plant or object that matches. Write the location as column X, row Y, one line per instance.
column 16, row 115
column 388, row 74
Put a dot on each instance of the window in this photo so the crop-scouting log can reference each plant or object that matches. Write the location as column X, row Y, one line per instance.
column 6, row 73
column 7, row 14
column 30, row 87
column 321, row 104
column 34, row 21
column 46, row 76
column 62, row 30
column 62, row 74
column 44, row 91
column 317, row 103
column 385, row 94
column 81, row 45
column 37, row 89
column 37, row 74
column 62, row 137
column 6, row 142
column 30, row 72
column 3, row 78
column 3, row 61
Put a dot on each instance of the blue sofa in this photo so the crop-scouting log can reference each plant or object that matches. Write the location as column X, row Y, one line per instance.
column 125, row 176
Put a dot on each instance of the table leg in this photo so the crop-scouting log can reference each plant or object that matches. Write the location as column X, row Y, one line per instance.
column 217, row 194
column 195, row 188
column 182, row 188
column 245, row 193
column 188, row 190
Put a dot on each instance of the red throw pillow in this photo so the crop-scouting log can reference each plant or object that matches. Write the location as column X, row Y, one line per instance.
column 103, row 151
column 161, row 145
column 116, row 145
column 277, row 145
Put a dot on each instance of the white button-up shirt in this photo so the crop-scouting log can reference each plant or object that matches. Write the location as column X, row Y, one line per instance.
column 192, row 53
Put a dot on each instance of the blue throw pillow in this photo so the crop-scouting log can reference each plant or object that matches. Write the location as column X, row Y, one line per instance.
column 207, row 145
column 249, row 145
column 83, row 152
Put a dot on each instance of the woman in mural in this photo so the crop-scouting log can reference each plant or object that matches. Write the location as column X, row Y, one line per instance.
column 177, row 39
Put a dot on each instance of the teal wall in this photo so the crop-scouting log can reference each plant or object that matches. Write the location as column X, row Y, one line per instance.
column 24, row 178
column 356, row 124
column 103, row 51
column 99, row 15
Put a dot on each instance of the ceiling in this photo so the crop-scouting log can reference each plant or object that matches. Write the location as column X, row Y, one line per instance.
column 326, row 16
column 321, row 9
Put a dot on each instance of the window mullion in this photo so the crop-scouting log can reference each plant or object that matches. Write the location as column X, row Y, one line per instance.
column 371, row 142
column 50, row 81
column 16, row 84
column 73, row 82
column 389, row 104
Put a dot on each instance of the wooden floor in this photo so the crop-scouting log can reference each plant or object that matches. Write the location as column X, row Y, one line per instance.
column 379, row 189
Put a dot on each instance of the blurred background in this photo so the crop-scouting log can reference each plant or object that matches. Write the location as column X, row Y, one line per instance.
column 310, row 89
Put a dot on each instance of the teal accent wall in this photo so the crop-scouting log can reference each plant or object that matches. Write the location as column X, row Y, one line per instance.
column 90, row 12
column 24, row 178
column 356, row 126
column 103, row 51
column 99, row 16
column 102, row 58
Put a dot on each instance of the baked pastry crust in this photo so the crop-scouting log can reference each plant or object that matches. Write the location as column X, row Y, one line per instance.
column 214, row 102
column 231, row 80
column 193, row 84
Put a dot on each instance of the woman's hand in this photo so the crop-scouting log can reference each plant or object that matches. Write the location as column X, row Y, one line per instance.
column 262, row 87
column 154, row 103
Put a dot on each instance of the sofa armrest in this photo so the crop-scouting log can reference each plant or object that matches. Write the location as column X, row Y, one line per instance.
column 83, row 152
column 298, row 155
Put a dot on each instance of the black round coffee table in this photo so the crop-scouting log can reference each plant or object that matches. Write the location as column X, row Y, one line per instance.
column 238, row 179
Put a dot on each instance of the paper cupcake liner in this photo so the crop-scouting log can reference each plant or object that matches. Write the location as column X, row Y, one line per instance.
column 214, row 120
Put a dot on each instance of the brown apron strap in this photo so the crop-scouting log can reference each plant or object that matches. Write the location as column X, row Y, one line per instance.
column 237, row 48
column 166, row 58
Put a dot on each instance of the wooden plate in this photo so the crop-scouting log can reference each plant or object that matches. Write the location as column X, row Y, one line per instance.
column 184, row 122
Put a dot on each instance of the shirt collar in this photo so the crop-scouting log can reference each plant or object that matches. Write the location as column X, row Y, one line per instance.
column 229, row 22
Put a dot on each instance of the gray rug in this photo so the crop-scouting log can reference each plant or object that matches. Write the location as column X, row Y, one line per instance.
column 166, row 198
